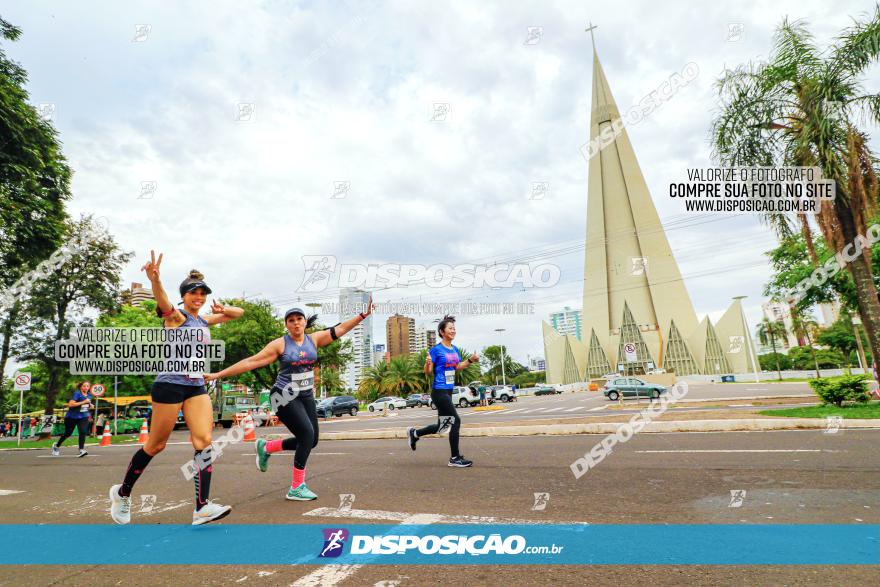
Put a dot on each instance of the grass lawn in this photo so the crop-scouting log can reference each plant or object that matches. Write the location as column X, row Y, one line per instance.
column 71, row 442
column 867, row 411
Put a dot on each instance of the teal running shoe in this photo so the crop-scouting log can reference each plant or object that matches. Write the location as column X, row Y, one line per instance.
column 262, row 455
column 301, row 493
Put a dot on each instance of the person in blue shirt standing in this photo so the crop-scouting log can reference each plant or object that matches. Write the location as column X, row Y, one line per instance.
column 77, row 418
column 443, row 361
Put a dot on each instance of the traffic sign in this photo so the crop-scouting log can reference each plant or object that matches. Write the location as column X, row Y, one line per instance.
column 22, row 382
column 98, row 390
column 629, row 349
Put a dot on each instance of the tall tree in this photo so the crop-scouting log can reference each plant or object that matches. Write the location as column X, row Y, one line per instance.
column 128, row 316
column 491, row 358
column 801, row 108
column 88, row 279
column 805, row 328
column 34, row 186
column 768, row 332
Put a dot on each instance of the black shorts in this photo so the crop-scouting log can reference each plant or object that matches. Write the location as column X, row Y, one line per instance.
column 173, row 393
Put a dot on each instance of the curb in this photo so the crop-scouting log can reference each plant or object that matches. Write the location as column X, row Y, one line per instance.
column 741, row 425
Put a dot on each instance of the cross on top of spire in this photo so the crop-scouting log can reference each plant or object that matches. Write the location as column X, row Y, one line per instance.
column 589, row 29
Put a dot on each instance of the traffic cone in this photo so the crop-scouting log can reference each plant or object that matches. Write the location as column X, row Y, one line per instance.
column 144, row 434
column 249, row 432
column 105, row 438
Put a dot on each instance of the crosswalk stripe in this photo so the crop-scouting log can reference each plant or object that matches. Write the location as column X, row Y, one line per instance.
column 575, row 409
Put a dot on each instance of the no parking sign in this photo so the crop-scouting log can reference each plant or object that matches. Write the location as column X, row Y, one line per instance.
column 22, row 382
column 629, row 349
column 98, row 390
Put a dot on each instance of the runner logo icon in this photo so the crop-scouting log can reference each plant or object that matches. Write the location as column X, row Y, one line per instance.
column 334, row 541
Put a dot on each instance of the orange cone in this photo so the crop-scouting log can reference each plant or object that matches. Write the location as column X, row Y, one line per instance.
column 249, row 432
column 145, row 433
column 105, row 438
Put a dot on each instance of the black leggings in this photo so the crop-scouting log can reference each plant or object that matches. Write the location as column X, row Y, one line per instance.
column 447, row 417
column 301, row 418
column 81, row 425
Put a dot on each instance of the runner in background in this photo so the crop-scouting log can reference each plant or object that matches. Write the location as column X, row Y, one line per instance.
column 442, row 362
column 76, row 418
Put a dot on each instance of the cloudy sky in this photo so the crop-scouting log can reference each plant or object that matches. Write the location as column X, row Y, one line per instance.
column 151, row 94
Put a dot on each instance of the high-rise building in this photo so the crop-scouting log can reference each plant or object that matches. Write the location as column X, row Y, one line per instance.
column 567, row 321
column 137, row 294
column 379, row 354
column 830, row 312
column 399, row 335
column 423, row 339
column 637, row 312
column 779, row 312
column 536, row 364
column 351, row 302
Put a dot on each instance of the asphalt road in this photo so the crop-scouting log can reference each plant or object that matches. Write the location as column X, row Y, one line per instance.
column 787, row 477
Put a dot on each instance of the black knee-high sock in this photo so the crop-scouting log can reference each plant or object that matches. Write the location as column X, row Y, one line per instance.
column 204, row 468
column 138, row 463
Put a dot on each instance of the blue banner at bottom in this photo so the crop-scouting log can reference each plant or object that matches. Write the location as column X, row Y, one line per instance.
column 444, row 544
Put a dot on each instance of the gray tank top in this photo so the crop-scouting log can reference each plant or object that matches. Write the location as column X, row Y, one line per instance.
column 177, row 379
column 297, row 366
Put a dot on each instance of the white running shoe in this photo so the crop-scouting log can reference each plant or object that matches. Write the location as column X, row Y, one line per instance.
column 120, row 507
column 210, row 512
column 55, row 450
column 83, row 453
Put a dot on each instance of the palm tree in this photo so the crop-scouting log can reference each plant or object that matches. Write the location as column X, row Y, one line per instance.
column 800, row 109
column 403, row 376
column 768, row 331
column 804, row 327
column 373, row 383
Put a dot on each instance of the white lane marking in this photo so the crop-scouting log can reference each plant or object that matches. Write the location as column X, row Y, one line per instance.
column 335, row 574
column 597, row 409
column 575, row 409
column 9, row 491
column 738, row 450
column 514, row 411
column 419, row 518
column 326, row 575
column 533, row 410
column 88, row 456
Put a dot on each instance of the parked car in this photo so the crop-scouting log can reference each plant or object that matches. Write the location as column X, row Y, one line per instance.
column 504, row 393
column 388, row 402
column 462, row 397
column 631, row 387
column 546, row 390
column 337, row 406
column 416, row 400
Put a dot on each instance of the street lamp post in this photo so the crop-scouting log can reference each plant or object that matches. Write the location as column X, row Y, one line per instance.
column 503, row 374
column 863, row 361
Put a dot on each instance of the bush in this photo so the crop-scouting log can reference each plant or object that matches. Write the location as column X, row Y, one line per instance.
column 836, row 390
column 768, row 361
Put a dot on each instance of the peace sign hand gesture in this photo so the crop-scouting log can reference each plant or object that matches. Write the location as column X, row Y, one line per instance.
column 217, row 307
column 151, row 267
